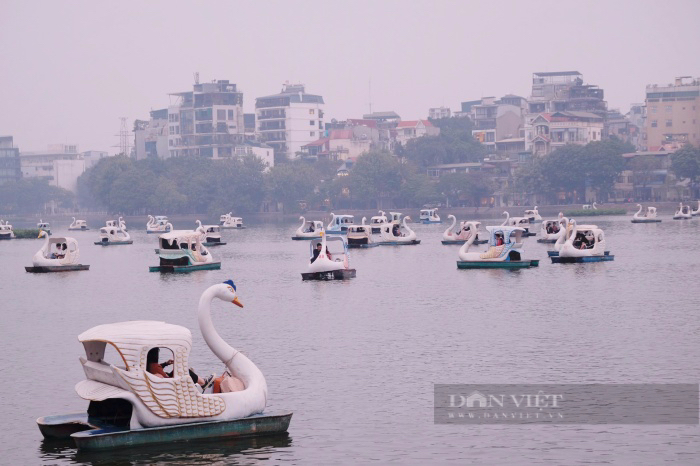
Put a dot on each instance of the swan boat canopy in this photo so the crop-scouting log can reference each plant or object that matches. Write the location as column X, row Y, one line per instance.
column 58, row 254
column 683, row 213
column 429, row 216
column 330, row 261
column 376, row 221
column 395, row 217
column 44, row 226
column 112, row 236
column 130, row 406
column 450, row 236
column 308, row 229
column 158, row 224
column 552, row 230
column 584, row 243
column 6, row 231
column 339, row 224
column 228, row 222
column 391, row 234
column 533, row 215
column 648, row 217
column 78, row 225
column 505, row 251
column 210, row 234
column 183, row 251
column 360, row 236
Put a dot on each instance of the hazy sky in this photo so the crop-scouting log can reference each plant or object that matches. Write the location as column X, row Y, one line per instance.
column 71, row 69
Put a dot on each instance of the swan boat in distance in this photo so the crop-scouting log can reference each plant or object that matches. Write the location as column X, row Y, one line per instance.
column 309, row 229
column 377, row 221
column 78, row 225
column 648, row 217
column 360, row 236
column 58, row 254
column 683, row 213
column 429, row 216
column 520, row 222
column 505, row 251
column 552, row 230
column 339, row 224
column 44, row 226
column 585, row 243
column 391, row 234
column 330, row 261
column 182, row 251
column 158, row 224
column 113, row 236
column 6, row 231
column 450, row 236
column 130, row 406
column 533, row 215
column 593, row 206
column 227, row 222
column 697, row 211
column 210, row 234
column 120, row 223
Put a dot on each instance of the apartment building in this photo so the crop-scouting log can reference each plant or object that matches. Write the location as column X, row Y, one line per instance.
column 496, row 120
column 10, row 165
column 151, row 137
column 60, row 165
column 439, row 112
column 673, row 114
column 549, row 131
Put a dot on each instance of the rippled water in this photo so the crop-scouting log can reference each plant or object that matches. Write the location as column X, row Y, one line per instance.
column 356, row 361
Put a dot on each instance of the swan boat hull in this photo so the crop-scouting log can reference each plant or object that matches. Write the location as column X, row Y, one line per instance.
column 184, row 268
column 556, row 253
column 113, row 243
column 578, row 260
column 462, row 241
column 362, row 245
column 497, row 264
column 426, row 222
column 303, row 238
column 646, row 220
column 233, row 228
column 398, row 243
column 214, row 243
column 331, row 275
column 55, row 268
column 91, row 434
column 78, row 229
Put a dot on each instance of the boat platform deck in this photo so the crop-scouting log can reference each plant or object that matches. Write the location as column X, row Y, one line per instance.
column 462, row 241
column 646, row 220
column 184, row 268
column 89, row 434
column 214, row 243
column 57, row 268
column 303, row 238
column 497, row 264
column 333, row 275
column 556, row 253
column 113, row 243
column 398, row 243
column 580, row 260
column 545, row 240
column 362, row 246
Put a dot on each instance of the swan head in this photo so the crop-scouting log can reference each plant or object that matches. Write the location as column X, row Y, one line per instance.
column 42, row 233
column 227, row 292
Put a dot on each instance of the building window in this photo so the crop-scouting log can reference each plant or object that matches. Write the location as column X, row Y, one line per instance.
column 172, row 130
column 669, row 123
column 312, row 111
column 668, row 108
column 311, row 122
column 312, row 133
column 220, row 114
column 230, row 114
column 654, row 123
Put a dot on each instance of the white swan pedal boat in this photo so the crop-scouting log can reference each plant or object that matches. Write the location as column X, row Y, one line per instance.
column 308, row 229
column 120, row 223
column 389, row 236
column 210, row 234
column 227, row 222
column 377, row 221
column 58, row 254
column 648, row 217
column 331, row 262
column 683, row 213
column 158, row 224
column 505, row 251
column 552, row 230
column 533, row 215
column 44, row 226
column 339, row 224
column 450, row 236
column 520, row 222
column 78, row 225
column 6, row 231
column 696, row 212
column 113, row 236
column 130, row 406
column 429, row 216
column 360, row 236
column 584, row 243
column 182, row 251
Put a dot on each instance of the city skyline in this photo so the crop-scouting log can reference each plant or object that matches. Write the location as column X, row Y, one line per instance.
column 75, row 70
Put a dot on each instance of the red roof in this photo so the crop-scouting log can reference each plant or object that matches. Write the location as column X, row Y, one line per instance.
column 318, row 142
column 546, row 116
column 341, row 134
column 413, row 123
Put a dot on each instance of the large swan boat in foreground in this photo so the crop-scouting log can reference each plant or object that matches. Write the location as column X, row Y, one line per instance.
column 183, row 251
column 391, row 234
column 584, row 243
column 131, row 406
column 648, row 217
column 58, row 254
column 227, row 222
column 112, row 236
column 429, row 216
column 466, row 229
column 505, row 251
column 78, row 225
column 328, row 262
column 683, row 213
column 309, row 229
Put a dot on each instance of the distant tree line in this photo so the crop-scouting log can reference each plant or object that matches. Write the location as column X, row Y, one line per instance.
column 32, row 195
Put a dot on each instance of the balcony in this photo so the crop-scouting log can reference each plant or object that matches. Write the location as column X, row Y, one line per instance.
column 272, row 116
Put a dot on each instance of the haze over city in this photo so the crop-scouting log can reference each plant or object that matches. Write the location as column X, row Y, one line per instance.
column 72, row 69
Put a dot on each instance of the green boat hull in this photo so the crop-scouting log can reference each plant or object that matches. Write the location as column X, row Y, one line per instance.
column 184, row 268
column 51, row 268
column 497, row 264
column 113, row 243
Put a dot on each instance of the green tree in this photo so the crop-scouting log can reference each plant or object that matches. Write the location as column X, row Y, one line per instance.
column 374, row 175
column 685, row 163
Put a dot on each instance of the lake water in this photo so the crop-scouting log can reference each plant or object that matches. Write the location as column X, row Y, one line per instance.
column 356, row 361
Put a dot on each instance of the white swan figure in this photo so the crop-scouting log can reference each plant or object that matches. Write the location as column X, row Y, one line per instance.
column 595, row 206
column 72, row 225
column 121, row 224
column 304, row 232
column 330, row 224
column 449, row 235
column 364, row 220
column 505, row 222
column 597, row 237
column 683, row 212
column 697, row 211
column 150, row 222
column 410, row 235
column 565, row 230
column 464, row 253
column 636, row 216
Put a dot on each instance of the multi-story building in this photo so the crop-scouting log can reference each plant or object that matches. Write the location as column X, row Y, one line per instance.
column 547, row 132
column 647, row 176
column 10, row 165
column 496, row 120
column 560, row 91
column 92, row 157
column 411, row 129
column 673, row 114
column 289, row 120
column 61, row 165
column 207, row 121
column 258, row 149
column 151, row 137
column 637, row 117
column 347, row 142
column 439, row 112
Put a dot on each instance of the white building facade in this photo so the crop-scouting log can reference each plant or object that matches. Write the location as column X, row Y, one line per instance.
column 60, row 165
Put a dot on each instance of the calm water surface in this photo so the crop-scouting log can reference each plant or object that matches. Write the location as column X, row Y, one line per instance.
column 356, row 361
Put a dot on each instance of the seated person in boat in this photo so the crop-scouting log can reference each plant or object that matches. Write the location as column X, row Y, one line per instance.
column 311, row 228
column 60, row 251
column 156, row 368
column 499, row 239
column 317, row 251
column 396, row 231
